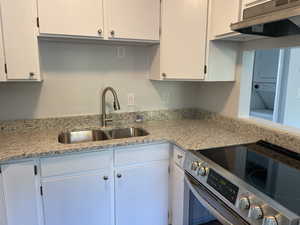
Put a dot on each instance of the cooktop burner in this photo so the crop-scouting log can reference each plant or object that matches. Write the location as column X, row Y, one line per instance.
column 270, row 169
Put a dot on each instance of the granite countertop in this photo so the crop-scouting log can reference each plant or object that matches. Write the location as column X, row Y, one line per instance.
column 187, row 134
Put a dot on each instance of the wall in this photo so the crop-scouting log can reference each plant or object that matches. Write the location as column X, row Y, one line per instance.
column 292, row 97
column 75, row 74
column 224, row 97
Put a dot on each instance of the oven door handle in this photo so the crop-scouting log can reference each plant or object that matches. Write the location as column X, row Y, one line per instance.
column 221, row 218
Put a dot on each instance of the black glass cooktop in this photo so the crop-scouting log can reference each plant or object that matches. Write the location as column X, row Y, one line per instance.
column 272, row 170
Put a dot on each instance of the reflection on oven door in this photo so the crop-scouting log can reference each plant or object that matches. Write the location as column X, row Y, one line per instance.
column 204, row 208
column 198, row 214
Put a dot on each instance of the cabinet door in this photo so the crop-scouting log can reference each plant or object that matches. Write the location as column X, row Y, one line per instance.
column 21, row 193
column 71, row 17
column 79, row 199
column 177, row 195
column 19, row 20
column 183, row 39
column 134, row 19
column 2, row 59
column 222, row 15
column 141, row 194
column 2, row 203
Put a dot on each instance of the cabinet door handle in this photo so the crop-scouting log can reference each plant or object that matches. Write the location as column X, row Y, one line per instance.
column 119, row 175
column 112, row 33
column 179, row 156
column 105, row 178
column 31, row 75
column 100, row 31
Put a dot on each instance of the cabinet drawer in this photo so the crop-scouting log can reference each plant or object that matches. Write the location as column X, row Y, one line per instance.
column 61, row 165
column 178, row 156
column 141, row 154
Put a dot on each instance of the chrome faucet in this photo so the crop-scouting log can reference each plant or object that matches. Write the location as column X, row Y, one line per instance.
column 116, row 105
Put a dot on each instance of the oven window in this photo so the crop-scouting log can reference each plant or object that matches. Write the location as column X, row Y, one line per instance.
column 198, row 214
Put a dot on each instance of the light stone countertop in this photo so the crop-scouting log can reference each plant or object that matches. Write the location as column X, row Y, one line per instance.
column 187, row 134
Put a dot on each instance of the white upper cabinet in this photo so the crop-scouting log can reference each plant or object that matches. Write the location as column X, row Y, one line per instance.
column 2, row 59
column 21, row 191
column 183, row 41
column 222, row 15
column 19, row 20
column 186, row 51
column 71, row 17
column 137, row 20
column 134, row 19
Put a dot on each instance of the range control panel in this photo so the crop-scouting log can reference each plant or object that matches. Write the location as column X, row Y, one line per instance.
column 255, row 210
column 223, row 186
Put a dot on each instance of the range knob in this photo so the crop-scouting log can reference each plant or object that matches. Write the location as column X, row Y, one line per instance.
column 244, row 203
column 270, row 220
column 195, row 166
column 202, row 171
column 256, row 212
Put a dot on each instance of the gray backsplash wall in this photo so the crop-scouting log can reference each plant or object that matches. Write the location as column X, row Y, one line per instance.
column 74, row 75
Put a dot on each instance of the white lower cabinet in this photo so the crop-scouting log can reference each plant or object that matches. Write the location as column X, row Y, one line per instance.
column 2, row 204
column 85, row 199
column 141, row 194
column 21, row 194
column 177, row 203
column 126, row 186
column 177, row 188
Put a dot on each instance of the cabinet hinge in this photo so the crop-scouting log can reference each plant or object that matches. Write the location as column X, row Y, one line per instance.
column 41, row 190
column 38, row 22
column 35, row 170
column 5, row 68
column 205, row 69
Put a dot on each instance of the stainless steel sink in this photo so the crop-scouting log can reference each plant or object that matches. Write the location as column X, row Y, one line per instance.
column 127, row 133
column 82, row 136
column 100, row 135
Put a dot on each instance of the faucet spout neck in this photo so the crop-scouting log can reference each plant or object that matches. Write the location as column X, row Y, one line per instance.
column 116, row 104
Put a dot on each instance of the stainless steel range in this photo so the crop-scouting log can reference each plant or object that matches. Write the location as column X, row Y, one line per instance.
column 255, row 184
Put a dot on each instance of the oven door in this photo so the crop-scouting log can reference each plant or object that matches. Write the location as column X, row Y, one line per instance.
column 205, row 208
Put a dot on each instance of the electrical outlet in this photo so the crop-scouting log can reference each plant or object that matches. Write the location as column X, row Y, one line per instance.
column 130, row 99
column 298, row 93
column 121, row 52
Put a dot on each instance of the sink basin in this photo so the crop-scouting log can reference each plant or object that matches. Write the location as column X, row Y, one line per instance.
column 100, row 135
column 127, row 133
column 82, row 136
